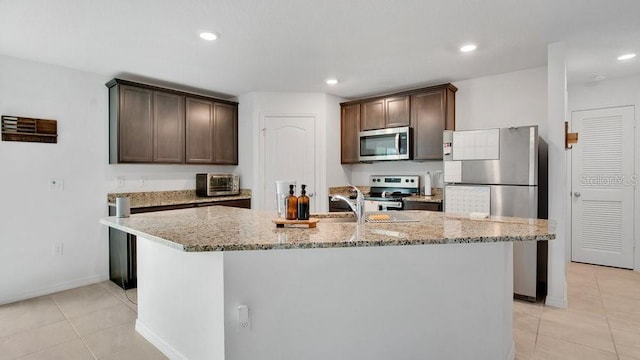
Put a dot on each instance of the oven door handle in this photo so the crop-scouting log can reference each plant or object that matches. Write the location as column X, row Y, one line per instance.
column 397, row 143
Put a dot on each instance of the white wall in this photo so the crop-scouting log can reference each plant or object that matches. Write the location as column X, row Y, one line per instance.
column 337, row 175
column 558, row 195
column 610, row 93
column 32, row 218
column 512, row 99
column 325, row 108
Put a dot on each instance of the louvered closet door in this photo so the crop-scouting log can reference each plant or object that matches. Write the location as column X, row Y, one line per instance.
column 603, row 185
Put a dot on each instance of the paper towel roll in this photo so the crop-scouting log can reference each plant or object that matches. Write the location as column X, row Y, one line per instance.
column 427, row 184
column 123, row 207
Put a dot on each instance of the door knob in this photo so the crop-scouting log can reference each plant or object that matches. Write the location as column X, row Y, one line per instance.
column 576, row 194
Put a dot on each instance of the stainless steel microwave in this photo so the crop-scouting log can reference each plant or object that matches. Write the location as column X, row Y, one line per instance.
column 217, row 184
column 385, row 144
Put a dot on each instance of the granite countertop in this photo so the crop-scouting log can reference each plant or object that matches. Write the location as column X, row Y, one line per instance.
column 177, row 197
column 435, row 197
column 218, row 228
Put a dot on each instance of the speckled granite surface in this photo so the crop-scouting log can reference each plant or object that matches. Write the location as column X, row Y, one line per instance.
column 218, row 228
column 344, row 190
column 436, row 196
column 176, row 197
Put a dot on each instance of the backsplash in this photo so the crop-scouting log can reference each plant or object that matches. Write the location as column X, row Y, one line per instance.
column 360, row 172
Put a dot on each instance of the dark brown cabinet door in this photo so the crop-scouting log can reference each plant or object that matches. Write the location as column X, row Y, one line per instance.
column 418, row 205
column 199, row 131
column 373, row 113
column 168, row 128
column 150, row 124
column 431, row 113
column 349, row 128
column 397, row 111
column 135, row 125
column 225, row 134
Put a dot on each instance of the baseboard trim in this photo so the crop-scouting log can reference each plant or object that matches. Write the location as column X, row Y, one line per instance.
column 54, row 289
column 560, row 303
column 157, row 341
column 512, row 352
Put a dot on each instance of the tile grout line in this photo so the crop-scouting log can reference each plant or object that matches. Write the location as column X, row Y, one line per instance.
column 74, row 329
column 606, row 314
column 577, row 343
column 119, row 298
column 45, row 325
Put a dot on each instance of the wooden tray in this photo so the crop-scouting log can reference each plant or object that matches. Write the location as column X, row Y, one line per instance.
column 311, row 223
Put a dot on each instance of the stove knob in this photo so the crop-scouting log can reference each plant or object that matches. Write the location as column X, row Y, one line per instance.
column 406, row 180
column 412, row 180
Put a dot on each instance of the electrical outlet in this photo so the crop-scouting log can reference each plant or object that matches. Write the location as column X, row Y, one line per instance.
column 56, row 184
column 58, row 249
column 119, row 181
column 143, row 181
column 243, row 318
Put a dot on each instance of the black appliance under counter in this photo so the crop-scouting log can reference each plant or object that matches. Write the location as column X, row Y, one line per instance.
column 122, row 246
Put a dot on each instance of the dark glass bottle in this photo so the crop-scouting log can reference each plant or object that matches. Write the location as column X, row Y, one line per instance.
column 303, row 204
column 292, row 204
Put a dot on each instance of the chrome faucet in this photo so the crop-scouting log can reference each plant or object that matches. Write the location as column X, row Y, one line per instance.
column 358, row 208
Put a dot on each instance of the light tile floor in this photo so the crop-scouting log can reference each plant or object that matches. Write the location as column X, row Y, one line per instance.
column 91, row 322
column 97, row 322
column 602, row 320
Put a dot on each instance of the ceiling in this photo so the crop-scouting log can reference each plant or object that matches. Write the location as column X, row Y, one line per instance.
column 371, row 46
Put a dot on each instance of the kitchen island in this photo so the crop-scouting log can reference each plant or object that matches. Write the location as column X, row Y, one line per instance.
column 438, row 288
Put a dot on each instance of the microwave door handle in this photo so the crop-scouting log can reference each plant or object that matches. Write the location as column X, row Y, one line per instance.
column 398, row 143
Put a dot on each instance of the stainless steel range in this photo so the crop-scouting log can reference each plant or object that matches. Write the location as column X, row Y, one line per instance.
column 387, row 191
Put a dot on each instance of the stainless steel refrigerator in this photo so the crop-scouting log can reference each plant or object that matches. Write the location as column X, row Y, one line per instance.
column 502, row 172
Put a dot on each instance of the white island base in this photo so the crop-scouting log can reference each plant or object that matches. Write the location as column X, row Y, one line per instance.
column 447, row 301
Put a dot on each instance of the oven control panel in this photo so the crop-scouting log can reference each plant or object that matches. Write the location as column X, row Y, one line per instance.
column 393, row 181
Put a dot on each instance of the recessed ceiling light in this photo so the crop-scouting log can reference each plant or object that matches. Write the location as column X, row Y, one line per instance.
column 599, row 77
column 626, row 56
column 468, row 48
column 331, row 81
column 209, row 36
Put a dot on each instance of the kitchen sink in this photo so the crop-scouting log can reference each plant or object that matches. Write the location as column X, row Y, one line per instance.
column 371, row 217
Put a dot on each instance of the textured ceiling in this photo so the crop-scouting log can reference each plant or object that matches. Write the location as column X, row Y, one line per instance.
column 372, row 46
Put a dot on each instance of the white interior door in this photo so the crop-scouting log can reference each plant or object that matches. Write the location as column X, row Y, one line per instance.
column 289, row 154
column 603, row 184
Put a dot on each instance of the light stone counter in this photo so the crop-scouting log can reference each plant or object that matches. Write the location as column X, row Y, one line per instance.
column 226, row 229
column 337, row 284
column 436, row 197
column 172, row 197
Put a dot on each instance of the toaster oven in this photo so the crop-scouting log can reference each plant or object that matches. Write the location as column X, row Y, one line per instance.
column 217, row 184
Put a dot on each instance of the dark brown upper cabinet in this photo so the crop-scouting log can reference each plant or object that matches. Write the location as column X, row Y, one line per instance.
column 349, row 129
column 168, row 128
column 131, row 137
column 225, row 134
column 385, row 113
column 429, row 111
column 397, row 111
column 212, row 132
column 149, row 124
column 372, row 115
column 432, row 112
